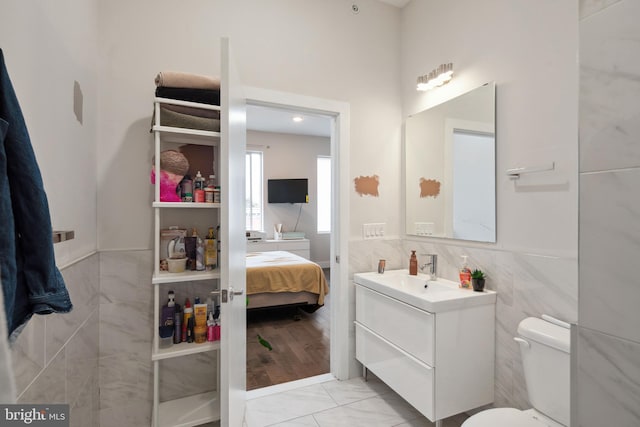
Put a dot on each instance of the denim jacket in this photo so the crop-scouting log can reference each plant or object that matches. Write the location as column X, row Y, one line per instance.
column 31, row 282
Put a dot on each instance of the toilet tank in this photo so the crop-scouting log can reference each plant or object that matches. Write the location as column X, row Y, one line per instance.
column 546, row 366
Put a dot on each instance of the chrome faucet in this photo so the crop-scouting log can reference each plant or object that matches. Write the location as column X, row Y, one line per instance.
column 432, row 264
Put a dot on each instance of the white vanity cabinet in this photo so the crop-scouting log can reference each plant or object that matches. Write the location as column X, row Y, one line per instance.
column 441, row 362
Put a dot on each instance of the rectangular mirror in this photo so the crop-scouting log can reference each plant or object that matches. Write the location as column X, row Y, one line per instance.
column 450, row 178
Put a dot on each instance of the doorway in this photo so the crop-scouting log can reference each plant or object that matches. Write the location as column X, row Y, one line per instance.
column 337, row 310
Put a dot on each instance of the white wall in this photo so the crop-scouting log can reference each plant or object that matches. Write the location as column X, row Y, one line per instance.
column 293, row 156
column 607, row 356
column 307, row 47
column 47, row 46
column 529, row 49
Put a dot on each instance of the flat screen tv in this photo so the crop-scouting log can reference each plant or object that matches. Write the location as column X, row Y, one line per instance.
column 288, row 190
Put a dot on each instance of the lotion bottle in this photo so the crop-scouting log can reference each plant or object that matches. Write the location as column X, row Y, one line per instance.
column 413, row 264
column 465, row 274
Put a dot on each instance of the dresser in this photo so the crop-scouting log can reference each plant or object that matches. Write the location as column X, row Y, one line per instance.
column 299, row 247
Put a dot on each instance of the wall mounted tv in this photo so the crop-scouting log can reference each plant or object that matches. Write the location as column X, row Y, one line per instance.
column 288, row 190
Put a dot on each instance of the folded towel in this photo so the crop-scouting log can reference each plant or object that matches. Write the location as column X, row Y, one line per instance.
column 203, row 96
column 192, row 111
column 179, row 120
column 186, row 80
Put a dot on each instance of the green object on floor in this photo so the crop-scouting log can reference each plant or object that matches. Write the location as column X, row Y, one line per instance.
column 264, row 343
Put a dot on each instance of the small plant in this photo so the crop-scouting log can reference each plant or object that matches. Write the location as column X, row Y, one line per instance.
column 477, row 274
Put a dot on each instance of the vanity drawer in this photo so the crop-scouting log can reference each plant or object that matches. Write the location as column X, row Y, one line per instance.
column 407, row 376
column 405, row 326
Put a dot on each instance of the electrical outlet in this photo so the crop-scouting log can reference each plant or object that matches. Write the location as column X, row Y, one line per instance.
column 373, row 231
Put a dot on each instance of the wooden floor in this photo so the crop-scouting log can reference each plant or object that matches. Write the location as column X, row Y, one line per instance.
column 300, row 343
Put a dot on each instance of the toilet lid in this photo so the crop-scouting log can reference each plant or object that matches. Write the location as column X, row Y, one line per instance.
column 507, row 417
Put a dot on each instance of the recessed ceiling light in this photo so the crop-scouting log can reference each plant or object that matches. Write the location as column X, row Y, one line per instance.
column 298, row 119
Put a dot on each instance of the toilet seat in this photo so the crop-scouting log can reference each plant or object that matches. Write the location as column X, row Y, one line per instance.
column 507, row 417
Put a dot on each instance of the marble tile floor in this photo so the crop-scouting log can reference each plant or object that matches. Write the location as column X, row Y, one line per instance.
column 327, row 402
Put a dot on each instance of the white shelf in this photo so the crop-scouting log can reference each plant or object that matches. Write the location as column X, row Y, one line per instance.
column 187, row 276
column 190, row 411
column 205, row 407
column 185, row 349
column 190, row 132
column 186, row 205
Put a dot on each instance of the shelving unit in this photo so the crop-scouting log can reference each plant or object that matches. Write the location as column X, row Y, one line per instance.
column 203, row 407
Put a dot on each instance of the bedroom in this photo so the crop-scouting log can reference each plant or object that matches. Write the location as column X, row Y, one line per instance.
column 288, row 150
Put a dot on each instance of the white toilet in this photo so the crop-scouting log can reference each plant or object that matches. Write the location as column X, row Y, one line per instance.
column 544, row 346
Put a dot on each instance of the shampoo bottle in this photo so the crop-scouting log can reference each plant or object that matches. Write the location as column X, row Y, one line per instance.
column 168, row 311
column 413, row 264
column 465, row 274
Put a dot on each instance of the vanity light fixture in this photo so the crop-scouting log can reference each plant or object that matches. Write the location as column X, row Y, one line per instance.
column 298, row 119
column 437, row 77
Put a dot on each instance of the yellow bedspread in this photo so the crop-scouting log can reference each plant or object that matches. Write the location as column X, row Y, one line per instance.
column 281, row 271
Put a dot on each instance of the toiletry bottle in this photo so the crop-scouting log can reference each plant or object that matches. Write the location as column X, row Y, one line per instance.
column 465, row 274
column 190, row 249
column 190, row 332
column 199, row 182
column 168, row 311
column 413, row 264
column 210, row 251
column 188, row 314
column 209, row 305
column 216, row 327
column 216, row 330
column 199, row 251
column 177, row 326
column 186, row 189
column 210, row 329
column 218, row 243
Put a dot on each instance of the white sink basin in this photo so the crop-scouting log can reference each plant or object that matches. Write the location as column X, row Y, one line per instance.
column 438, row 295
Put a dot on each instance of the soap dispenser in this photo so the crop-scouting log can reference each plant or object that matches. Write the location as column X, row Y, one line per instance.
column 413, row 264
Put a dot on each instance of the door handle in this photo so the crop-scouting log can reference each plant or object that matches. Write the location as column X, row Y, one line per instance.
column 230, row 293
column 233, row 292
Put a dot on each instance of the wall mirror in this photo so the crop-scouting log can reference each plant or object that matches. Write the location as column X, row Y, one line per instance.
column 450, row 172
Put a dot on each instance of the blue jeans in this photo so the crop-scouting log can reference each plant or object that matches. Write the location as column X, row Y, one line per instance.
column 31, row 282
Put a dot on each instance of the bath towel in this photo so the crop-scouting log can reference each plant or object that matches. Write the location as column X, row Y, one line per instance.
column 179, row 120
column 198, row 112
column 203, row 96
column 187, row 80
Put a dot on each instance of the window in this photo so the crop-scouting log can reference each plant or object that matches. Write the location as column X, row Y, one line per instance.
column 254, row 208
column 324, row 194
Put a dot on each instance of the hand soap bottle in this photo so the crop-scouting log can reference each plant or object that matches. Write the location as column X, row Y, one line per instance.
column 413, row 264
column 465, row 274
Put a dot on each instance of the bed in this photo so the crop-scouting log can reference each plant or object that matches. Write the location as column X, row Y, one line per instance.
column 279, row 278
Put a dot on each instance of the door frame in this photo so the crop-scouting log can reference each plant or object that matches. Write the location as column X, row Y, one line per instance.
column 338, row 111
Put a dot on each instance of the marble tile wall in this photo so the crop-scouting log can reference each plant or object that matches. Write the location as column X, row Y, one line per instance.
column 527, row 285
column 55, row 358
column 126, row 323
column 607, row 376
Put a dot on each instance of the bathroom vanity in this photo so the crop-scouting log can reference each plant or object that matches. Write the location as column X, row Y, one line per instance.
column 433, row 345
